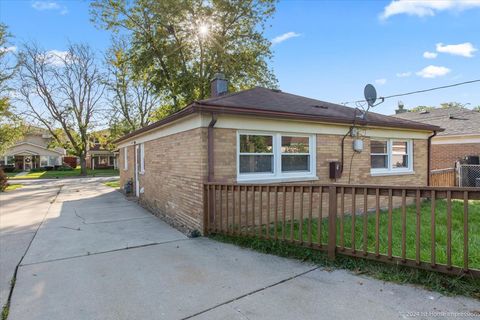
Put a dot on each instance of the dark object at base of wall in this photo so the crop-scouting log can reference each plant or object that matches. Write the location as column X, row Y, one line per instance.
column 128, row 187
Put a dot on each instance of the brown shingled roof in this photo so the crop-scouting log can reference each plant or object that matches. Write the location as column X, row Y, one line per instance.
column 455, row 121
column 272, row 103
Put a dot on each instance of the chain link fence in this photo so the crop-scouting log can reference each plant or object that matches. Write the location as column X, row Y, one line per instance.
column 469, row 175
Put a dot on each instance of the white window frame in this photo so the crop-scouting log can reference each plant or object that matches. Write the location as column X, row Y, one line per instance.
column 278, row 175
column 390, row 170
column 125, row 158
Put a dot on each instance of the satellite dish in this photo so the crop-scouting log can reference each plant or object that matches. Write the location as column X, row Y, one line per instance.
column 370, row 94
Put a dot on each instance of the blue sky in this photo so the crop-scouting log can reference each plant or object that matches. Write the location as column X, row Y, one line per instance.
column 324, row 49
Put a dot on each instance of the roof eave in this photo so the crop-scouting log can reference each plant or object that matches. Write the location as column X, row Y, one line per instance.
column 177, row 115
column 300, row 116
column 203, row 107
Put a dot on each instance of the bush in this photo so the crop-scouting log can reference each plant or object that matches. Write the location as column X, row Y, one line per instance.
column 37, row 169
column 70, row 161
column 8, row 168
column 48, row 168
column 63, row 168
column 104, row 167
column 3, row 180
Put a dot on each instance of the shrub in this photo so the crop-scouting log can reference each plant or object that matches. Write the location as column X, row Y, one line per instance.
column 3, row 180
column 48, row 168
column 63, row 168
column 37, row 169
column 8, row 168
column 70, row 161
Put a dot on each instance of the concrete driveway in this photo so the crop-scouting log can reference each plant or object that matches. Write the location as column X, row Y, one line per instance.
column 96, row 255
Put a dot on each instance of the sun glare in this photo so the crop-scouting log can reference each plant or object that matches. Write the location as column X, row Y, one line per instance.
column 203, row 30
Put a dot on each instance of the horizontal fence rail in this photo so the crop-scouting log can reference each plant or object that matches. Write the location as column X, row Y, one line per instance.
column 433, row 228
column 443, row 177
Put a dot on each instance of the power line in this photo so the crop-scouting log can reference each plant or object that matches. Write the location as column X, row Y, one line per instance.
column 418, row 91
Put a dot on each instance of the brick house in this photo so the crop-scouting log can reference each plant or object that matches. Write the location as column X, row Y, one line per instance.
column 460, row 138
column 264, row 136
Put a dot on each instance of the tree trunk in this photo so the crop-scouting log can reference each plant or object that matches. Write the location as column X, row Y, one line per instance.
column 83, row 165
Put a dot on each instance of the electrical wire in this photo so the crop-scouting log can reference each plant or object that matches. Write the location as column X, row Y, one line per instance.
column 418, row 91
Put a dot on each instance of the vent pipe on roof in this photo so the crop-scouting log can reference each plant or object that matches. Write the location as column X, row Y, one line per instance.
column 401, row 108
column 218, row 85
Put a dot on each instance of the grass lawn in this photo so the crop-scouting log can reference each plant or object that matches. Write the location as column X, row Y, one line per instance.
column 114, row 184
column 14, row 186
column 63, row 174
column 425, row 232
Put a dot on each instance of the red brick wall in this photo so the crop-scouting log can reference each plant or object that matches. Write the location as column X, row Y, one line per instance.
column 445, row 155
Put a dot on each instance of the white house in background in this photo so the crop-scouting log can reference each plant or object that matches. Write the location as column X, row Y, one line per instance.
column 32, row 152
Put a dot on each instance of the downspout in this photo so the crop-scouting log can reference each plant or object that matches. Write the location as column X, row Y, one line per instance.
column 210, row 145
column 429, row 156
column 134, row 178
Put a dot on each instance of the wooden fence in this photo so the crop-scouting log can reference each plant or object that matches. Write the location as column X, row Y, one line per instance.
column 400, row 225
column 443, row 178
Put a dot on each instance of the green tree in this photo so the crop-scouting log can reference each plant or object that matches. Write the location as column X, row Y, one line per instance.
column 132, row 99
column 11, row 126
column 182, row 44
column 421, row 109
column 477, row 108
column 11, row 129
column 445, row 105
column 452, row 105
column 63, row 93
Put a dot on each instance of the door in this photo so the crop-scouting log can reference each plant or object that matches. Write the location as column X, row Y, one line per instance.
column 27, row 163
column 137, row 170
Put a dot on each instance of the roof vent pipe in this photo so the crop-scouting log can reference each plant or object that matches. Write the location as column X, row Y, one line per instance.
column 218, row 85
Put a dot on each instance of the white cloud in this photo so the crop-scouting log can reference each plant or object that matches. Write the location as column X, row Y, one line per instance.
column 404, row 74
column 55, row 57
column 462, row 49
column 8, row 49
column 381, row 82
column 433, row 71
column 430, row 55
column 49, row 5
column 423, row 8
column 284, row 37
column 45, row 5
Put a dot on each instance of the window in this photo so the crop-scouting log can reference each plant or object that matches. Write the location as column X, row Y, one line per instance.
column 295, row 154
column 391, row 156
column 142, row 158
column 7, row 160
column 53, row 160
column 43, row 161
column 256, row 153
column 275, row 156
column 379, row 154
column 125, row 158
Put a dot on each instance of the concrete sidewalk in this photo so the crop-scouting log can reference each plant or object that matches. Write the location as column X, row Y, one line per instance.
column 98, row 256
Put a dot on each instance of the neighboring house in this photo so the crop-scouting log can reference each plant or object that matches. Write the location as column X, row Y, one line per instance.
column 99, row 157
column 461, row 137
column 265, row 136
column 33, row 152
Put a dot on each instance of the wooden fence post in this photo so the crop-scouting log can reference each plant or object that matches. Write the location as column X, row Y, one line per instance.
column 206, row 209
column 332, row 222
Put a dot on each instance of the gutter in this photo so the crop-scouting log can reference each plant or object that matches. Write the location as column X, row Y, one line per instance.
column 203, row 107
column 210, row 155
column 429, row 154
